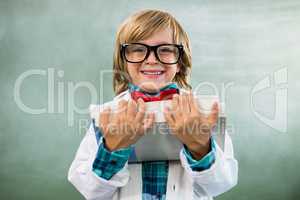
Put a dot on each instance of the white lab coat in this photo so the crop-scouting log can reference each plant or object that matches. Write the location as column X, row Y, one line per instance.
column 182, row 184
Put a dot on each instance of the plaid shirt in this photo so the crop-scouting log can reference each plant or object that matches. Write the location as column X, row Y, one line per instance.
column 154, row 173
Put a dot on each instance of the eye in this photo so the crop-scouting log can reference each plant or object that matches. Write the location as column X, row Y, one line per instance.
column 136, row 48
column 167, row 49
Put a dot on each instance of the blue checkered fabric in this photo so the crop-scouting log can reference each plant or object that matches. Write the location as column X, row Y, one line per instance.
column 155, row 177
column 205, row 162
column 107, row 163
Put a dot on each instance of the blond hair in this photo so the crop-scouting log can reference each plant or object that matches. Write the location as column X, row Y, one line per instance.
column 140, row 26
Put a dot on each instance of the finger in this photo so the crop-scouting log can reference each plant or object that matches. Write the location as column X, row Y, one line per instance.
column 121, row 111
column 213, row 116
column 175, row 109
column 131, row 110
column 115, row 118
column 148, row 122
column 169, row 117
column 190, row 100
column 141, row 111
column 185, row 104
column 180, row 102
column 122, row 107
column 201, row 110
column 104, row 117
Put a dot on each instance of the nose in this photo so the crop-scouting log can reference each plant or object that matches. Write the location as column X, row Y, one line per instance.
column 151, row 58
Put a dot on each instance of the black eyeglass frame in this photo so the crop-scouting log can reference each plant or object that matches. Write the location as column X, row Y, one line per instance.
column 149, row 49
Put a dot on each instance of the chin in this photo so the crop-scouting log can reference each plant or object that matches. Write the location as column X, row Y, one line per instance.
column 152, row 86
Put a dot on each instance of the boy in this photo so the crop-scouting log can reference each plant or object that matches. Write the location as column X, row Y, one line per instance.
column 152, row 61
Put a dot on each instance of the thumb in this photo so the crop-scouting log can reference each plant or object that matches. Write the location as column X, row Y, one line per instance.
column 104, row 117
column 213, row 116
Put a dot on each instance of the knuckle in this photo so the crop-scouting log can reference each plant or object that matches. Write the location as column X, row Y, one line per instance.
column 176, row 127
column 142, row 111
column 195, row 116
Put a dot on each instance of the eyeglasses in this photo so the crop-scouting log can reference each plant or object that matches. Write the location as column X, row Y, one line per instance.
column 164, row 53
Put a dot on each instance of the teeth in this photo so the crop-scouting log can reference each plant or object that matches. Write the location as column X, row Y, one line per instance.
column 152, row 73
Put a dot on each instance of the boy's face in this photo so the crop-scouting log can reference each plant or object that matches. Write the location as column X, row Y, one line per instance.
column 142, row 74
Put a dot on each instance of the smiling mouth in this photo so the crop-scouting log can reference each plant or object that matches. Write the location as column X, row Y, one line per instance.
column 152, row 74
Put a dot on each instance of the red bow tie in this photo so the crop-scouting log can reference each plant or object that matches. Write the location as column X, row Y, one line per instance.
column 165, row 93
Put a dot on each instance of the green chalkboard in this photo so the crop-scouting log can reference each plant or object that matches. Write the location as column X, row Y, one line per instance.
column 56, row 57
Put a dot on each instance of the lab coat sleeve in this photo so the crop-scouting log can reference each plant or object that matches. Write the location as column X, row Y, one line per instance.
column 85, row 180
column 220, row 177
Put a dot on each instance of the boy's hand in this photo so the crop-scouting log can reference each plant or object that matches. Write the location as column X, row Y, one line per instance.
column 189, row 125
column 126, row 126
